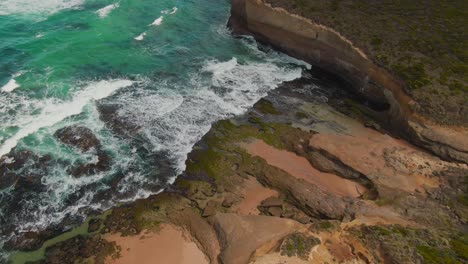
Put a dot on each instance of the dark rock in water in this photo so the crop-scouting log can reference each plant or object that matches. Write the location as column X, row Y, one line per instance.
column 29, row 183
column 94, row 225
column 81, row 137
column 14, row 160
column 85, row 140
column 24, row 169
column 29, row 240
column 25, row 241
column 109, row 114
column 33, row 240
column 165, row 168
column 103, row 164
column 9, row 164
column 7, row 179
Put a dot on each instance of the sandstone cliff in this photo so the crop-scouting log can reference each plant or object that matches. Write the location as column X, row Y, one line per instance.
column 328, row 49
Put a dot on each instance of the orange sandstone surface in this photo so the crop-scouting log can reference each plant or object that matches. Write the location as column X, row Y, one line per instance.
column 299, row 167
column 168, row 246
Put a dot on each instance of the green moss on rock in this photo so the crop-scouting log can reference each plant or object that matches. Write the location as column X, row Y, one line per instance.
column 325, row 225
column 298, row 245
column 266, row 107
column 433, row 255
column 225, row 136
column 405, row 244
column 301, row 115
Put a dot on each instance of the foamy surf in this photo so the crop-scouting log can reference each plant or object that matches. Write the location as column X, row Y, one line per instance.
column 157, row 22
column 173, row 123
column 170, row 11
column 141, row 36
column 105, row 11
column 218, row 68
column 10, row 86
column 48, row 7
column 56, row 112
column 246, row 83
column 189, row 81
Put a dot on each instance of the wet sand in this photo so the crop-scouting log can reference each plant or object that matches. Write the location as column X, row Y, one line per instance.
column 168, row 246
column 300, row 167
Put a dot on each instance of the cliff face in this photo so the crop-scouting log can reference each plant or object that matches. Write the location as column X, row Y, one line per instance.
column 317, row 44
column 326, row 48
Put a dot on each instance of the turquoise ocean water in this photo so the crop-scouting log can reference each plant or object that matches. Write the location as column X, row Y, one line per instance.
column 171, row 67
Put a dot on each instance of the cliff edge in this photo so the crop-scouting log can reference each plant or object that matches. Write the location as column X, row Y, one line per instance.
column 322, row 46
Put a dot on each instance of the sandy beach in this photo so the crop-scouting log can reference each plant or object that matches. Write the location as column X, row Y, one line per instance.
column 168, row 246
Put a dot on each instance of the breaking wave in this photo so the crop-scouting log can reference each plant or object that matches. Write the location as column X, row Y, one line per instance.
column 48, row 7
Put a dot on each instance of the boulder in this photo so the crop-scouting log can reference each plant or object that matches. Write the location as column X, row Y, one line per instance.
column 228, row 201
column 80, row 137
column 103, row 164
column 275, row 211
column 84, row 139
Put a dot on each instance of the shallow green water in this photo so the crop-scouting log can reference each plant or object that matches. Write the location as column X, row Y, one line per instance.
column 171, row 68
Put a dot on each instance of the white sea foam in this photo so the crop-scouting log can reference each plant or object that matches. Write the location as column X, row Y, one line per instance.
column 218, row 68
column 172, row 122
column 55, row 112
column 11, row 7
column 141, row 36
column 10, row 86
column 243, row 84
column 9, row 160
column 169, row 11
column 158, row 21
column 105, row 11
column 269, row 55
column 172, row 119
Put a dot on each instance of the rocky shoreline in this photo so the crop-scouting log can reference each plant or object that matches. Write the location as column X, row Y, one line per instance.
column 311, row 174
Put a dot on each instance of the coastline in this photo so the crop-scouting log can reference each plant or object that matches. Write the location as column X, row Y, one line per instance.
column 326, row 48
column 226, row 193
column 404, row 203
